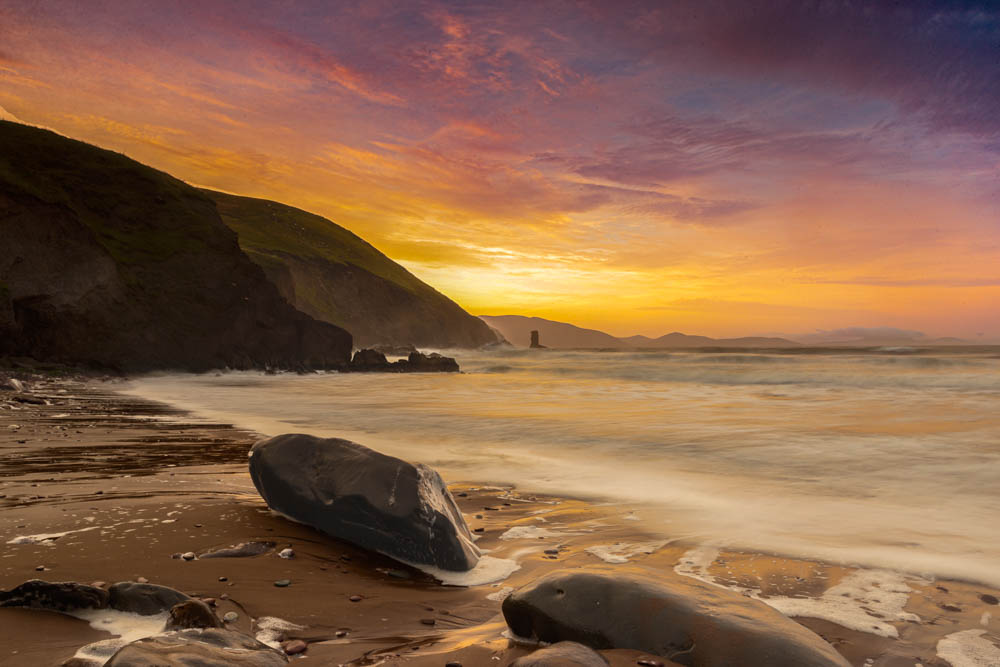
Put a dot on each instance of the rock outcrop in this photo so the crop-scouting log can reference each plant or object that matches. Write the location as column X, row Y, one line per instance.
column 373, row 361
column 212, row 647
column 108, row 263
column 330, row 273
column 63, row 596
column 682, row 619
column 144, row 599
column 375, row 501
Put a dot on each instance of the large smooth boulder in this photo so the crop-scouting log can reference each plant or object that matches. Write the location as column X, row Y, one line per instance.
column 563, row 654
column 144, row 599
column 205, row 648
column 686, row 620
column 63, row 596
column 375, row 501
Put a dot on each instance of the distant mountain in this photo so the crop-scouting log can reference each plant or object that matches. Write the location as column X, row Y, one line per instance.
column 334, row 275
column 517, row 328
column 107, row 262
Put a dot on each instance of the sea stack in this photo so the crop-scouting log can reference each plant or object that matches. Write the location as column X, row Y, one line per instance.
column 534, row 341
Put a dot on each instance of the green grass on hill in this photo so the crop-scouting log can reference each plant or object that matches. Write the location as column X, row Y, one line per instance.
column 108, row 192
column 266, row 227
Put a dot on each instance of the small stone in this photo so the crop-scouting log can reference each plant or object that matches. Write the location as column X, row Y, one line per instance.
column 40, row 568
column 989, row 599
column 453, row 663
column 99, row 584
column 950, row 607
column 355, row 598
column 462, row 494
column 224, row 596
column 428, row 621
column 197, row 525
column 188, row 555
column 286, row 553
column 492, row 509
column 478, row 530
column 283, row 583
column 552, row 552
column 340, row 633
column 231, row 617
column 648, row 662
column 142, row 580
column 344, row 557
column 294, row 647
column 98, row 493
column 223, row 578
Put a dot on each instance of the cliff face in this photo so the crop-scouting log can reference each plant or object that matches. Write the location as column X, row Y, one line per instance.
column 332, row 274
column 109, row 263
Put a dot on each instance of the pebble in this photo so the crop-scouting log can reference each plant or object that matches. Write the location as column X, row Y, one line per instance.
column 989, row 599
column 286, row 553
column 282, row 583
column 188, row 555
column 462, row 494
column 479, row 516
column 950, row 607
column 99, row 584
column 224, row 596
column 355, row 598
column 428, row 621
column 231, row 617
column 294, row 647
column 341, row 633
column 142, row 580
column 648, row 662
column 478, row 530
column 223, row 578
column 552, row 552
column 40, row 568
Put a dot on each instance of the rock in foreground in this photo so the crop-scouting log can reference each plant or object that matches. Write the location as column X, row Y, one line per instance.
column 685, row 620
column 206, row 648
column 375, row 501
column 563, row 654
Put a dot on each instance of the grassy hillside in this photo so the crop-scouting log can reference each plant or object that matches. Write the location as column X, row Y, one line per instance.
column 336, row 276
column 111, row 263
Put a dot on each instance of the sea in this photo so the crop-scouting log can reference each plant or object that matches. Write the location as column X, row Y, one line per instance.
column 886, row 457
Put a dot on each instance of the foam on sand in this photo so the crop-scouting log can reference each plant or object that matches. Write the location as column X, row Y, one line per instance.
column 528, row 533
column 623, row 551
column 487, row 571
column 969, row 648
column 865, row 600
column 127, row 628
column 47, row 538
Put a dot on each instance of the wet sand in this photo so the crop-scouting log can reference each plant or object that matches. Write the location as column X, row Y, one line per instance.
column 96, row 486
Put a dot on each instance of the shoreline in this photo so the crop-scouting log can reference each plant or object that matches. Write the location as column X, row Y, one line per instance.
column 143, row 481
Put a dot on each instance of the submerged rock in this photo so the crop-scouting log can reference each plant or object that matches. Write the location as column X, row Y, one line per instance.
column 241, row 550
column 57, row 596
column 372, row 500
column 562, row 654
column 144, row 599
column 685, row 620
column 206, row 648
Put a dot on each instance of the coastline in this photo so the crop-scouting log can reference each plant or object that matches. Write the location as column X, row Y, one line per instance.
column 92, row 473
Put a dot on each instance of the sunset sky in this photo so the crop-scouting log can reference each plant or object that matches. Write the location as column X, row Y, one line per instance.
column 715, row 168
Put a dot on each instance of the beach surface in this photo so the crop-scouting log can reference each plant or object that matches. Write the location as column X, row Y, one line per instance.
column 99, row 486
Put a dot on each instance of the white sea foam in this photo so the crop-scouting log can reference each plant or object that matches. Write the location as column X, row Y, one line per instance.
column 487, row 571
column 500, row 595
column 48, row 538
column 126, row 627
column 528, row 533
column 969, row 648
column 623, row 551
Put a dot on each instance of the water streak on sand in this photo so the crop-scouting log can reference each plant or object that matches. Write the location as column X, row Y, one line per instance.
column 889, row 459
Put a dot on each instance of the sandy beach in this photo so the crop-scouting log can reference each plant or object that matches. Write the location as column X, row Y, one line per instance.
column 96, row 486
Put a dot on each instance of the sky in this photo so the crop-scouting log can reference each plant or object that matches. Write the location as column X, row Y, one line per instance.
column 719, row 168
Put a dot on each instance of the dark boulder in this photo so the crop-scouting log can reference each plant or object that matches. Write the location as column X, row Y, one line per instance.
column 419, row 362
column 205, row 648
column 192, row 614
column 683, row 619
column 57, row 596
column 144, row 599
column 373, row 361
column 372, row 500
column 562, row 654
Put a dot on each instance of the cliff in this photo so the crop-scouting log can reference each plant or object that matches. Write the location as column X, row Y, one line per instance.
column 335, row 276
column 108, row 263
